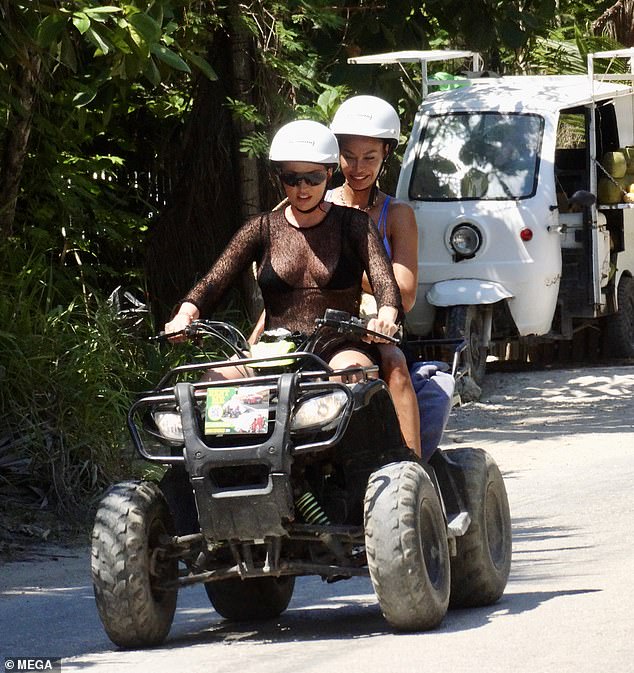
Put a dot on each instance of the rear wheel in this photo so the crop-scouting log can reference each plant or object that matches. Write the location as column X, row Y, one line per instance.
column 406, row 545
column 255, row 598
column 467, row 322
column 134, row 579
column 619, row 332
column 480, row 569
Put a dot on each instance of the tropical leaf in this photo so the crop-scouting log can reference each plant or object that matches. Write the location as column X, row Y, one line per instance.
column 102, row 14
column 202, row 65
column 85, row 97
column 146, row 26
column 152, row 72
column 170, row 58
column 81, row 22
column 50, row 29
column 97, row 40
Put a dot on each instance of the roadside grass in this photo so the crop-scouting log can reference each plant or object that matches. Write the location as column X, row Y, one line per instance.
column 68, row 370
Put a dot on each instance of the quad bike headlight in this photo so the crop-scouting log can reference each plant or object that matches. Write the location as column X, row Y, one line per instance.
column 319, row 411
column 170, row 425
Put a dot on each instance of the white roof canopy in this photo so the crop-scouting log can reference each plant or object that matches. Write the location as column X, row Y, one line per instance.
column 413, row 56
column 422, row 57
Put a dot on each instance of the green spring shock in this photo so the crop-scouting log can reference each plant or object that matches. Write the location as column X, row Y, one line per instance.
column 311, row 510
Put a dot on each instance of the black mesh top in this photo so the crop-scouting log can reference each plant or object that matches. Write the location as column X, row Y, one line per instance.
column 302, row 272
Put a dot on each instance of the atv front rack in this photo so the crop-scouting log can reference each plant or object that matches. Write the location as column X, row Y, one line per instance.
column 305, row 380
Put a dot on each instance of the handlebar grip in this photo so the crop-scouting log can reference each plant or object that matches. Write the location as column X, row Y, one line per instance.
column 187, row 332
column 158, row 337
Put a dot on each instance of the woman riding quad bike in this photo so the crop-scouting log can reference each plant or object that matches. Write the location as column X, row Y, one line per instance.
column 315, row 478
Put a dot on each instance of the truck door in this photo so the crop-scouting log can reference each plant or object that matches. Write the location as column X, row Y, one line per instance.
column 583, row 134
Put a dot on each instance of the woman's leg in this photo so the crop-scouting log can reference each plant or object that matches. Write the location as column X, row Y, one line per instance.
column 395, row 373
column 227, row 373
column 350, row 358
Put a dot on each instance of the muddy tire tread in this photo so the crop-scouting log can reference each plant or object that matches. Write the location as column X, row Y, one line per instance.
column 407, row 601
column 131, row 615
column 475, row 579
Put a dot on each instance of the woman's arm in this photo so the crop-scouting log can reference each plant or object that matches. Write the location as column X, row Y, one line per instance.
column 386, row 322
column 258, row 329
column 241, row 251
column 404, row 242
column 379, row 271
column 187, row 313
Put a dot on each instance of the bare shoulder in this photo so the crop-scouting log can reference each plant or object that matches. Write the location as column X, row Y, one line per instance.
column 401, row 214
column 400, row 207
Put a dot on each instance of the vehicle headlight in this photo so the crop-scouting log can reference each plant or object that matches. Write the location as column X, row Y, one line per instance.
column 465, row 240
column 170, row 425
column 319, row 411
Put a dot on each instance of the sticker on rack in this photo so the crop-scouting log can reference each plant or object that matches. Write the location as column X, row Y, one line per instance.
column 237, row 410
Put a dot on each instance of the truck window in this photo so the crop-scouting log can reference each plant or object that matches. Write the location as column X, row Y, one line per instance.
column 571, row 155
column 468, row 155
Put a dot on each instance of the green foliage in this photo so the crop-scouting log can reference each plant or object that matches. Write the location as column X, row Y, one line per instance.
column 132, row 40
column 67, row 374
column 565, row 51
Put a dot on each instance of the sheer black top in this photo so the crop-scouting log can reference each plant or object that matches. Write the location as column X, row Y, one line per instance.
column 303, row 271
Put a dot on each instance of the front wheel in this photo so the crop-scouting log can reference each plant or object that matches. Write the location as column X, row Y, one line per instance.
column 134, row 579
column 481, row 566
column 256, row 598
column 619, row 333
column 406, row 545
column 468, row 323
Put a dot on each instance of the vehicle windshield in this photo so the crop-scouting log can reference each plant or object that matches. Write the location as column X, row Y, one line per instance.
column 486, row 155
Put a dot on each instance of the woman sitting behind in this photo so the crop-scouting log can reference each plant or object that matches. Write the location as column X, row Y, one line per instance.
column 368, row 130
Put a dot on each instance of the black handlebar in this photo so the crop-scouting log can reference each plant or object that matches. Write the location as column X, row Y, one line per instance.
column 342, row 322
column 346, row 323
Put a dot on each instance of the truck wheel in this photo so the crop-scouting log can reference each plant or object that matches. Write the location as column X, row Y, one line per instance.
column 467, row 322
column 619, row 334
column 251, row 599
column 480, row 569
column 134, row 581
column 406, row 546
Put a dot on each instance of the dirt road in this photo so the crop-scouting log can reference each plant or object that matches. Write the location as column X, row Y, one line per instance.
column 565, row 443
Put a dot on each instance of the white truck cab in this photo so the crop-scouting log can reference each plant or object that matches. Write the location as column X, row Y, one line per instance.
column 506, row 252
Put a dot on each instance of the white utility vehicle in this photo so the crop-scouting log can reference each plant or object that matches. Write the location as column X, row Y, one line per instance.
column 502, row 173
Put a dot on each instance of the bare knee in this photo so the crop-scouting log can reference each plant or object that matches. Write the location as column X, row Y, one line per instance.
column 350, row 359
column 227, row 373
column 394, row 366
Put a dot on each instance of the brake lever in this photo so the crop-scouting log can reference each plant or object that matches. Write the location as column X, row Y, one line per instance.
column 355, row 326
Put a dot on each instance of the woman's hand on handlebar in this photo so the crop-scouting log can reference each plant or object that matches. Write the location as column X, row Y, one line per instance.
column 384, row 323
column 183, row 319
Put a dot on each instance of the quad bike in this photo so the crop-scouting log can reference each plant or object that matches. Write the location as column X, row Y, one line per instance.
column 321, row 484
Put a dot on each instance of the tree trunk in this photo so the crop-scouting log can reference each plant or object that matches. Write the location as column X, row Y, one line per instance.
column 241, row 51
column 617, row 22
column 17, row 141
column 202, row 213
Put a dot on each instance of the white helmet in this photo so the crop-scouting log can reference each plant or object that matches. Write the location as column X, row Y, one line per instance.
column 367, row 116
column 305, row 140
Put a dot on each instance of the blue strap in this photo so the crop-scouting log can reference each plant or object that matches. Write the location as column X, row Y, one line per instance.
column 382, row 225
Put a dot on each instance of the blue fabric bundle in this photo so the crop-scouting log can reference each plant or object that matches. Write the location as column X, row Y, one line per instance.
column 434, row 388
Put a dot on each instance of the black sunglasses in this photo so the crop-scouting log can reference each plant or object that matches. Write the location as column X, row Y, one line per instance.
column 312, row 178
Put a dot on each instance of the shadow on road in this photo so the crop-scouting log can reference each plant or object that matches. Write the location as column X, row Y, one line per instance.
column 345, row 610
column 516, row 407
